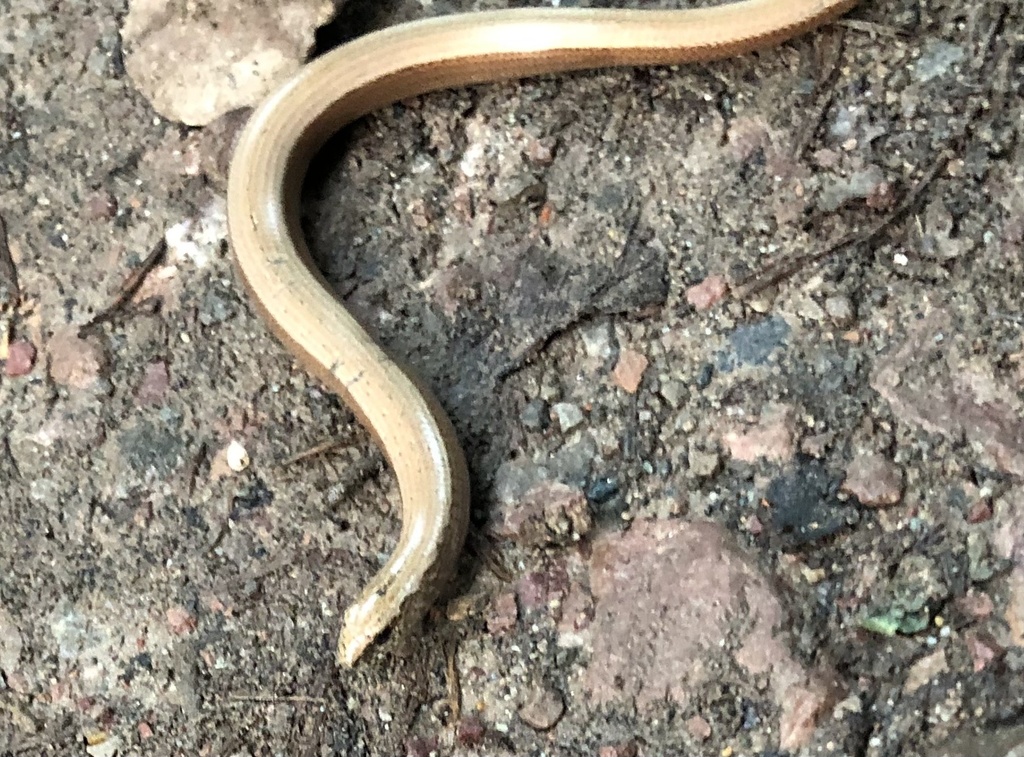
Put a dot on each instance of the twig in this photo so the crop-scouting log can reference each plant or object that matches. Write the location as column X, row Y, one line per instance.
column 10, row 291
column 452, row 682
column 784, row 269
column 1000, row 80
column 131, row 284
column 491, row 559
column 824, row 89
column 872, row 27
column 277, row 699
column 317, row 449
column 771, row 276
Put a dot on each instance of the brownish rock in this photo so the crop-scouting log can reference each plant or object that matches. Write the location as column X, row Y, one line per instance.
column 925, row 670
column 629, row 370
column 155, row 381
column 708, row 293
column 983, row 648
column 773, row 437
column 622, row 749
column 933, row 383
column 21, row 357
column 975, row 604
column 577, row 612
column 502, row 614
column 541, row 151
column 980, row 512
column 550, row 513
column 75, row 362
column 804, row 706
column 180, row 620
column 874, row 480
column 101, row 206
column 699, row 728
column 672, row 598
column 539, row 589
column 881, row 196
column 1008, row 526
column 197, row 64
column 470, row 731
column 542, row 709
column 417, row 746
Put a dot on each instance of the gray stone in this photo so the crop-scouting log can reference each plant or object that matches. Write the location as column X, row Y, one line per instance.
column 568, row 415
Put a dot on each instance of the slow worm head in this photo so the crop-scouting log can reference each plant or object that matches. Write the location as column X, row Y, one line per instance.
column 270, row 164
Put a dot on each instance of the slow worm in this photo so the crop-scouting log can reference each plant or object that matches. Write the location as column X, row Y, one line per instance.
column 270, row 163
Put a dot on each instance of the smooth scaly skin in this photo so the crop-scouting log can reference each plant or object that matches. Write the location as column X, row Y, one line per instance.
column 263, row 213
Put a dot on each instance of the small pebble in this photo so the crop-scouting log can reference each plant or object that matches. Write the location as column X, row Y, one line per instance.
column 810, row 310
column 541, row 151
column 236, row 456
column 470, row 731
column 502, row 614
column 624, row 749
column 753, row 525
column 549, row 513
column 937, row 58
column 629, row 370
column 75, row 362
column 417, row 746
column 535, row 415
column 599, row 340
column 673, row 392
column 571, row 463
column 860, row 184
column 705, row 375
column 568, row 415
column 699, row 728
column 773, row 437
column 180, row 620
column 980, row 512
column 11, row 644
column 543, row 709
column 101, row 206
column 708, row 293
column 881, row 197
column 874, row 480
column 925, row 670
column 840, row 310
column 983, row 648
column 155, row 382
column 975, row 604
column 703, row 464
column 21, row 357
column 602, row 489
column 816, row 445
column 102, row 745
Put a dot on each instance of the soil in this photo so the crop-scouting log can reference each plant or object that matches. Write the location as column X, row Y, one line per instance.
column 859, row 190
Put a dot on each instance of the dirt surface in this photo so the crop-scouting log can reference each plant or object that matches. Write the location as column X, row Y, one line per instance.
column 769, row 306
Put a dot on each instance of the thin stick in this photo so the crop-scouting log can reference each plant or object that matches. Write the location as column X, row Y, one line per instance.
column 131, row 284
column 277, row 699
column 10, row 291
column 317, row 449
column 452, row 681
column 758, row 282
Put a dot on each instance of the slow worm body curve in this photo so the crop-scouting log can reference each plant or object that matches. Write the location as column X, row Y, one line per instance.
column 270, row 163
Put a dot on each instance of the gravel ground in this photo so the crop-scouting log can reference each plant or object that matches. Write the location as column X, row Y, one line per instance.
column 735, row 351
